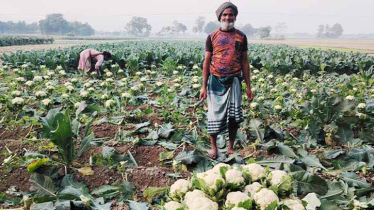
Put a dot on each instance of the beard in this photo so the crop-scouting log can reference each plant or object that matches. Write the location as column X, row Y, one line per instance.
column 227, row 25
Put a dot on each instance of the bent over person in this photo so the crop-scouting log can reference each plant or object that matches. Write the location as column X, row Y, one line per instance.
column 225, row 65
column 91, row 60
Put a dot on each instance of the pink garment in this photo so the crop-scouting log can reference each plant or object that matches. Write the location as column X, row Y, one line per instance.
column 85, row 61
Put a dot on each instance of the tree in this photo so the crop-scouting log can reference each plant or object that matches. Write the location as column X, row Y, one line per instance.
column 321, row 29
column 200, row 22
column 248, row 30
column 81, row 29
column 211, row 26
column 336, row 30
column 54, row 24
column 179, row 27
column 138, row 26
column 264, row 32
column 330, row 32
column 280, row 28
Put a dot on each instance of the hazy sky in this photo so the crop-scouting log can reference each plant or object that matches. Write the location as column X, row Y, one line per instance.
column 356, row 16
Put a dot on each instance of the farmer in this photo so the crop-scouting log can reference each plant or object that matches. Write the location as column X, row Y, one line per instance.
column 90, row 60
column 225, row 65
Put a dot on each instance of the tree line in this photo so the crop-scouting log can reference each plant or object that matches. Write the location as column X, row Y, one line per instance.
column 53, row 24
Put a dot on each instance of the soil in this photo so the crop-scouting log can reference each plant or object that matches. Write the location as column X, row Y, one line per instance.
column 15, row 133
column 105, row 130
column 102, row 176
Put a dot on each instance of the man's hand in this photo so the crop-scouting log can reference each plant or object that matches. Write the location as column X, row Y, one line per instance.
column 203, row 94
column 250, row 94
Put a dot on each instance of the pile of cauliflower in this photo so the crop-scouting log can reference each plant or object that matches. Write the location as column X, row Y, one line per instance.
column 239, row 187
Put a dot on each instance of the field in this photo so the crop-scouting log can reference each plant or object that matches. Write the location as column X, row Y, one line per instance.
column 73, row 141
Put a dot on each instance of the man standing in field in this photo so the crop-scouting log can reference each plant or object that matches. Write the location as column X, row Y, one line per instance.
column 225, row 65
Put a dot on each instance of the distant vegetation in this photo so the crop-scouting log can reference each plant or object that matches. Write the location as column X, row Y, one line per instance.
column 23, row 40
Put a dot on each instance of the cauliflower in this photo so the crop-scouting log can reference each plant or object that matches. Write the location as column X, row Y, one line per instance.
column 109, row 103
column 234, row 176
column 265, row 197
column 172, row 205
column 216, row 168
column 18, row 100
column 84, row 94
column 180, row 188
column 46, row 102
column 255, row 170
column 282, row 180
column 237, row 197
column 126, row 95
column 252, row 188
column 212, row 179
column 190, row 196
column 202, row 203
column 293, row 204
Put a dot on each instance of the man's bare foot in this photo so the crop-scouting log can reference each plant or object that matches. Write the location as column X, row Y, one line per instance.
column 213, row 154
column 230, row 151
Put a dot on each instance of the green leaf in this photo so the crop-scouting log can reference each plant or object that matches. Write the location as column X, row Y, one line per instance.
column 275, row 162
column 138, row 205
column 42, row 206
column 312, row 200
column 85, row 144
column 336, row 188
column 142, row 125
column 332, row 154
column 36, row 164
column 69, row 180
column 42, row 185
column 108, row 151
column 328, row 205
column 127, row 190
column 307, row 183
column 106, row 191
column 312, row 161
column 345, row 133
column 151, row 192
column 354, row 180
column 62, row 205
column 168, row 145
column 166, row 131
column 166, row 155
column 256, row 130
column 189, row 157
column 286, row 150
column 272, row 206
column 70, row 193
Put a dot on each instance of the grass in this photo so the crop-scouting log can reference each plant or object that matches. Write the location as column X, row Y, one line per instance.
column 341, row 49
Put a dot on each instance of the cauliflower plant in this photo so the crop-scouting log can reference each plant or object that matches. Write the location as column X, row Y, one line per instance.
column 180, row 188
column 216, row 169
column 293, row 203
column 265, row 197
column 252, row 188
column 281, row 180
column 238, row 199
column 202, row 203
column 172, row 205
column 190, row 196
column 234, row 176
column 255, row 170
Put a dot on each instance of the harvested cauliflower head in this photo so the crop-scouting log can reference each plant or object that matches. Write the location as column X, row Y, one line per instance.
column 190, row 196
column 172, row 205
column 202, row 203
column 234, row 176
column 213, row 181
column 293, row 204
column 217, row 167
column 264, row 198
column 252, row 188
column 255, row 170
column 235, row 198
column 180, row 188
column 282, row 180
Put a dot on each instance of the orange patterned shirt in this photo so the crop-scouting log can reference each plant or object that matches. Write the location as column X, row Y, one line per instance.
column 226, row 48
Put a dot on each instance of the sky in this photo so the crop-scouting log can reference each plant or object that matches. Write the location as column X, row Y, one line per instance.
column 300, row 16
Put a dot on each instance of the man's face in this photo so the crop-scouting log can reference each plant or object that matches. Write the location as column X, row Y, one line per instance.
column 228, row 15
column 228, row 19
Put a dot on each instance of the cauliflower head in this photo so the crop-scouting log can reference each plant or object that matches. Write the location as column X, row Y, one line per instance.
column 255, row 170
column 265, row 197
column 236, row 198
column 293, row 203
column 191, row 196
column 216, row 168
column 180, row 187
column 282, row 180
column 234, row 176
column 172, row 205
column 252, row 188
column 202, row 203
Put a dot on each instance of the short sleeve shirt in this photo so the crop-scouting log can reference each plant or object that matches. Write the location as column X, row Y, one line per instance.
column 226, row 48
